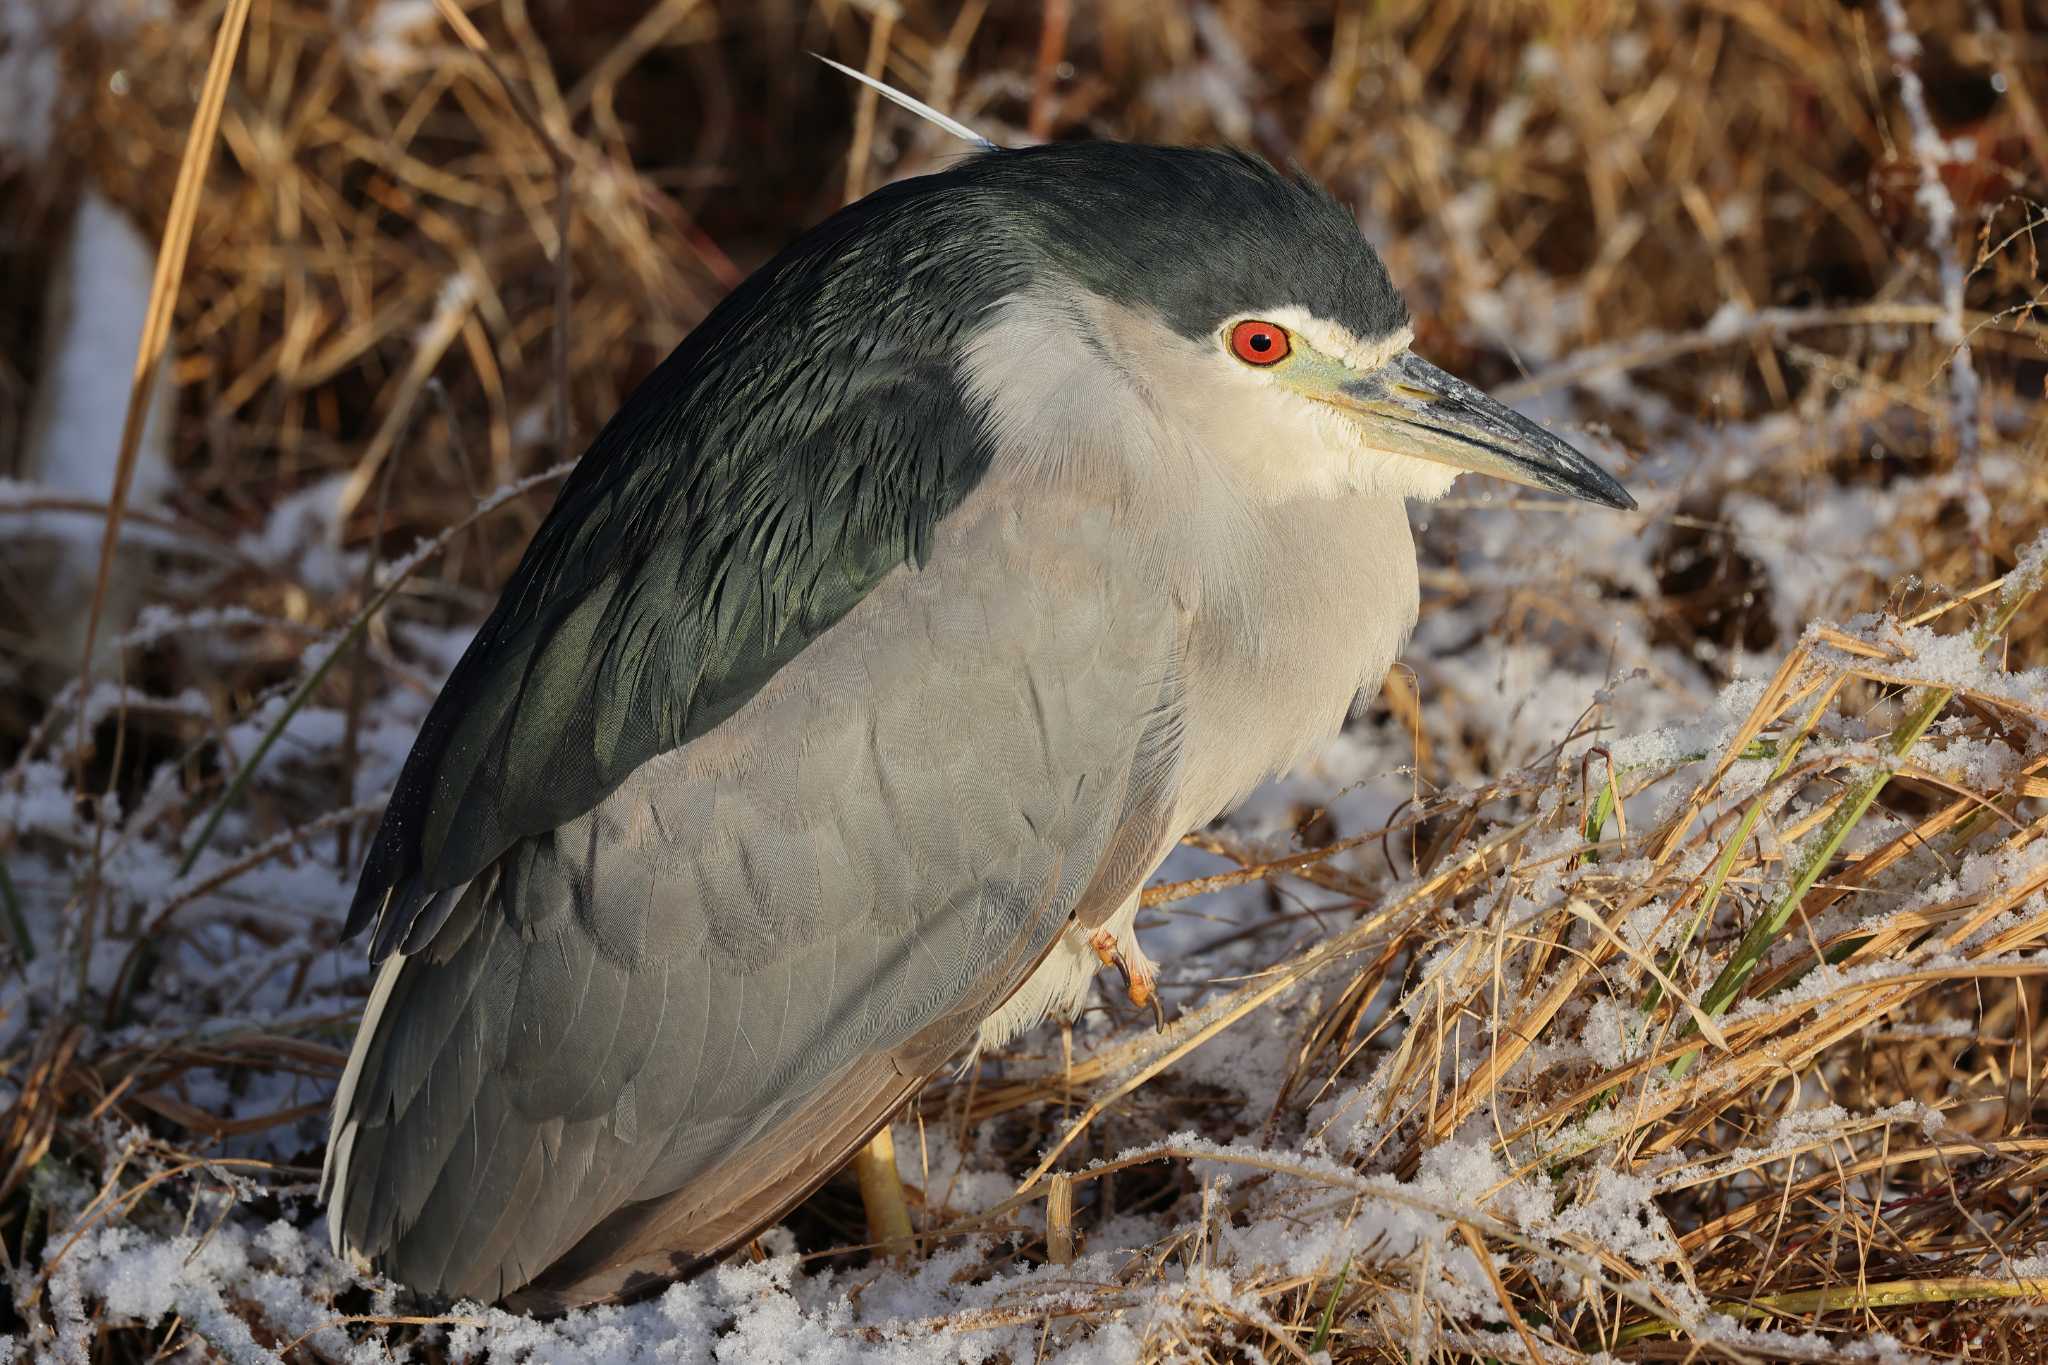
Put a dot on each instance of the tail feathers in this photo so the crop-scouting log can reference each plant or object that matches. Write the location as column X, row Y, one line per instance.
column 656, row 1241
column 341, row 1132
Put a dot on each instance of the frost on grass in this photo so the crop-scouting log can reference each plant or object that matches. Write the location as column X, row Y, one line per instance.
column 1420, row 1090
column 1302, row 1187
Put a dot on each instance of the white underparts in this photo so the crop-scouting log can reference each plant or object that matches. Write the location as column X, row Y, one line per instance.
column 1057, row 989
column 1278, row 530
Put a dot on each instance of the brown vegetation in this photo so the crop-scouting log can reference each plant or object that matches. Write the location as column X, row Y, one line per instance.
column 1587, row 969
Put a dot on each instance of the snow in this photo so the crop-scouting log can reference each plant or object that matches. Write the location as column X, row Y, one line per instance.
column 1537, row 623
column 31, row 79
column 389, row 39
column 301, row 535
column 1308, row 1214
column 93, row 313
column 1931, row 151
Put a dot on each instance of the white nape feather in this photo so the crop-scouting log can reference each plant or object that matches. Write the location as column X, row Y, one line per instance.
column 913, row 104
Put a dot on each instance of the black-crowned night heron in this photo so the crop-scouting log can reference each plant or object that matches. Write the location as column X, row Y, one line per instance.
column 1016, row 520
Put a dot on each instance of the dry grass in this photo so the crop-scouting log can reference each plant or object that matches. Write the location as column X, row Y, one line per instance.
column 1614, row 1038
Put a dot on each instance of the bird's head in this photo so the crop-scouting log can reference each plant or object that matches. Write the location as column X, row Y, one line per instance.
column 1243, row 305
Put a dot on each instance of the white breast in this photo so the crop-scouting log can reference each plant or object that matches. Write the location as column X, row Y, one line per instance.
column 1296, row 576
column 1275, row 666
column 1297, row 571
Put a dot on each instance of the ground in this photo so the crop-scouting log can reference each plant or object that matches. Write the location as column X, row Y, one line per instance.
column 1652, row 971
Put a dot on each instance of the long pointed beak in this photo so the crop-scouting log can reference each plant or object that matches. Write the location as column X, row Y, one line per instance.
column 1410, row 407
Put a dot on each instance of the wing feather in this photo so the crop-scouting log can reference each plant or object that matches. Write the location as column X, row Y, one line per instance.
column 793, row 451
column 824, row 896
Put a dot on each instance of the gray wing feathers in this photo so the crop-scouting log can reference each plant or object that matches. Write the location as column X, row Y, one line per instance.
column 887, row 835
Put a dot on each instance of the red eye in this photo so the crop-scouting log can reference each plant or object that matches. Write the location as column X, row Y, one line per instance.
column 1258, row 343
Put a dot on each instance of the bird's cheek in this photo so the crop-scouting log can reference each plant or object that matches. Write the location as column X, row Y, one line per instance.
column 1282, row 465
column 1345, row 460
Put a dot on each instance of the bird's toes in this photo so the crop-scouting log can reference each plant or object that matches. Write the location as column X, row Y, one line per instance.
column 1140, row 972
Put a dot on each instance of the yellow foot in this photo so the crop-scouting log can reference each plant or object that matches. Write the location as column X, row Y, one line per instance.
column 1139, row 972
column 881, row 1194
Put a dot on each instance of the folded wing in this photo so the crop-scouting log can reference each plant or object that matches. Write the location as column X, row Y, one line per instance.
column 632, row 1039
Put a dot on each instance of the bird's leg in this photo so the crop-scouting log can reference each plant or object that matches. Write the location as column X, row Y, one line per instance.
column 1139, row 972
column 881, row 1194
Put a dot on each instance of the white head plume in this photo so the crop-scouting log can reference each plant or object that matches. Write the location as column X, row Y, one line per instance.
column 914, row 105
